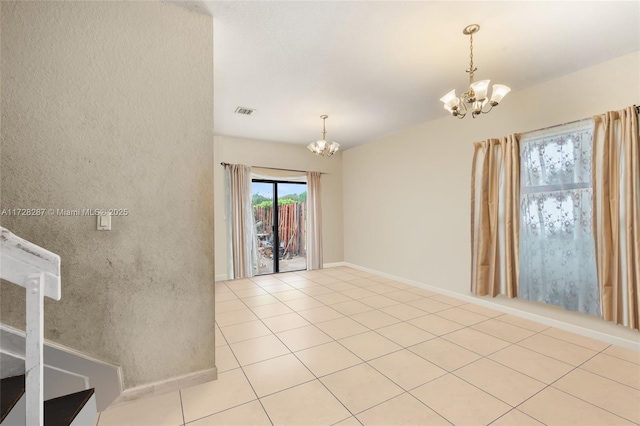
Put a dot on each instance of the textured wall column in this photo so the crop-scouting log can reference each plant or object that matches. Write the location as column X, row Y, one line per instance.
column 110, row 105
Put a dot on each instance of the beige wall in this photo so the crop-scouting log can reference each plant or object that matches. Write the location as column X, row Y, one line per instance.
column 110, row 105
column 285, row 156
column 407, row 196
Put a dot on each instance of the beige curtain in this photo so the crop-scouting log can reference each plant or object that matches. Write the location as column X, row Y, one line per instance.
column 240, row 222
column 494, row 217
column 314, row 222
column 616, row 202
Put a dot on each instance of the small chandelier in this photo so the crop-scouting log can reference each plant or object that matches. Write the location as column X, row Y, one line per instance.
column 475, row 98
column 321, row 147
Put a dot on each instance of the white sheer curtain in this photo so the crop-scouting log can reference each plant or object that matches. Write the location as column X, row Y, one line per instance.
column 314, row 222
column 240, row 224
column 557, row 251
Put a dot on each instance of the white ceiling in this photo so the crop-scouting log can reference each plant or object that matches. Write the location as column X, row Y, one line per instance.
column 378, row 67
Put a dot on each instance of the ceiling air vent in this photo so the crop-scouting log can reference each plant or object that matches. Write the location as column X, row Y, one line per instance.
column 244, row 111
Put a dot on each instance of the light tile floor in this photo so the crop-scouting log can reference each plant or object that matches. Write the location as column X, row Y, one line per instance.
column 344, row 347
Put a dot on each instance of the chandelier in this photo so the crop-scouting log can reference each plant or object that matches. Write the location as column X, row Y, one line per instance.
column 475, row 98
column 322, row 147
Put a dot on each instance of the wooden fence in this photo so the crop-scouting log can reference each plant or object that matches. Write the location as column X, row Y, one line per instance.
column 291, row 227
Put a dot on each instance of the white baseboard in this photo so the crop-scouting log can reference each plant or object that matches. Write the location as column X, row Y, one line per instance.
column 334, row 264
column 629, row 341
column 165, row 386
column 222, row 277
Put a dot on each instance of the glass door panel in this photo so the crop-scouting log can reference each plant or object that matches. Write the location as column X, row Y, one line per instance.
column 292, row 203
column 263, row 215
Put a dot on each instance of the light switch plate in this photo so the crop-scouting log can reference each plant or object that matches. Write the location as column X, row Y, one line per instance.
column 104, row 222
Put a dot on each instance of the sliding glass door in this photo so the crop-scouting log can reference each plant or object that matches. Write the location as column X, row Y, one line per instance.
column 280, row 226
column 263, row 215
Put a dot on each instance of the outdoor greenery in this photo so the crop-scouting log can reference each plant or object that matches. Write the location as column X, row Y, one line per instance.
column 262, row 201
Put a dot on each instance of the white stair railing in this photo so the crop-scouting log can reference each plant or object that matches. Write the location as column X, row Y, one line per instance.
column 38, row 271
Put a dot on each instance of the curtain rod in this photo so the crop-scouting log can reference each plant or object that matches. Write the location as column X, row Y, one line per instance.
column 555, row 125
column 275, row 168
column 637, row 107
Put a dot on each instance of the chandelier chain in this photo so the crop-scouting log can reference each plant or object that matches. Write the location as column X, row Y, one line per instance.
column 471, row 69
column 324, row 130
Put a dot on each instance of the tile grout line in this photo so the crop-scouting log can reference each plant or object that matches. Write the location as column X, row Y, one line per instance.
column 590, row 403
column 560, row 378
column 305, row 366
column 426, row 314
column 351, row 417
column 250, row 384
column 513, row 407
column 401, row 321
column 364, row 362
column 482, row 356
column 577, row 397
column 380, row 310
column 452, row 372
column 436, row 336
column 440, row 336
column 411, row 395
column 609, row 378
column 402, row 347
column 399, row 350
column 222, row 411
column 539, row 353
column 314, row 375
column 184, row 421
column 405, row 391
column 554, row 358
